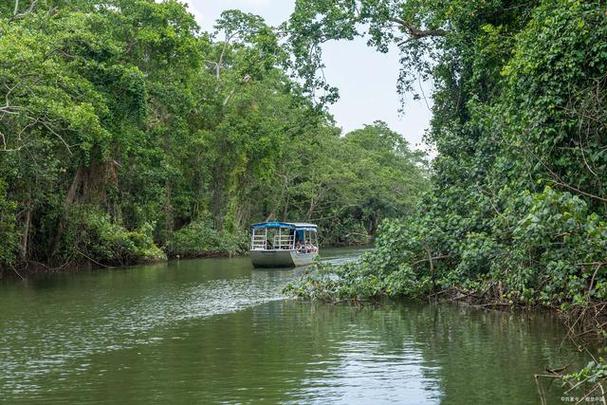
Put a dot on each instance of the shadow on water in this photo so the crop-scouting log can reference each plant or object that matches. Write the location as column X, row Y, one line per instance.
column 217, row 330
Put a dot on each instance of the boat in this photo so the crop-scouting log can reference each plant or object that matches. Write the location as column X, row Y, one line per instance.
column 283, row 244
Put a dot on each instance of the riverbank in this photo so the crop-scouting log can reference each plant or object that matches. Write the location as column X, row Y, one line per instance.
column 189, row 248
column 585, row 324
column 352, row 282
column 90, row 237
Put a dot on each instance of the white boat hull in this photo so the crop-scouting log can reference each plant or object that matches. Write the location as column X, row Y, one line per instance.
column 281, row 258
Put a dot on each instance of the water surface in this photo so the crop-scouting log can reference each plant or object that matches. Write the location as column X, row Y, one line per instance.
column 216, row 330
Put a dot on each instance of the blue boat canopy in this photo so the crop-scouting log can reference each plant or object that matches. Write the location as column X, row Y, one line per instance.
column 300, row 226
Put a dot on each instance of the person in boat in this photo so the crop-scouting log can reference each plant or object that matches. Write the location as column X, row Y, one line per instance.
column 312, row 248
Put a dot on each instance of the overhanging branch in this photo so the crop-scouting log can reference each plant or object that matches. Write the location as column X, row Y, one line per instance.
column 416, row 33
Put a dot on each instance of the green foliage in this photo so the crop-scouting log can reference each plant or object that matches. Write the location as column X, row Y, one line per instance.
column 517, row 206
column 594, row 372
column 92, row 235
column 384, row 271
column 9, row 246
column 200, row 239
column 556, row 250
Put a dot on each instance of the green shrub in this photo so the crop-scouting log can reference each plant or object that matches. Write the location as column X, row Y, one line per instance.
column 8, row 234
column 557, row 251
column 200, row 239
column 93, row 236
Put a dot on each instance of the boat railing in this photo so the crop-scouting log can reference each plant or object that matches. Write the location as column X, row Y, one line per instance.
column 259, row 242
column 283, row 242
column 279, row 242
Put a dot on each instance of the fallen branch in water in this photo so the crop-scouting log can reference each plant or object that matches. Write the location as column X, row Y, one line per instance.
column 94, row 261
column 16, row 272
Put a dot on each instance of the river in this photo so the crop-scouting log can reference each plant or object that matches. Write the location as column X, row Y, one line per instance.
column 216, row 330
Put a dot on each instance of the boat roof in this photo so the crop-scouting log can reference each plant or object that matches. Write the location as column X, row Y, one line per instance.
column 289, row 225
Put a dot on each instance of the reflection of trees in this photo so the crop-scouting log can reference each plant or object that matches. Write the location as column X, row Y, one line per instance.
column 488, row 356
column 475, row 356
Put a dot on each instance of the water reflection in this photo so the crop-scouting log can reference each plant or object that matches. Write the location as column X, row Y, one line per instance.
column 216, row 330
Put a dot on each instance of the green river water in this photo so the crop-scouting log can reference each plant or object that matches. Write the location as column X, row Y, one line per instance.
column 218, row 331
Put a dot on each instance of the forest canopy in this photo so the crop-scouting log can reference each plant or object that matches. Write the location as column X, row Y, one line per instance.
column 128, row 134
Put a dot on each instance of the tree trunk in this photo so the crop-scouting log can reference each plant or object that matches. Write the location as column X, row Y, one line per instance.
column 285, row 211
column 26, row 231
column 72, row 192
column 90, row 186
column 70, row 198
column 169, row 220
column 217, row 205
column 311, row 208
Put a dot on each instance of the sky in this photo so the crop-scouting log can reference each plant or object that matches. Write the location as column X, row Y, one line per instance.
column 366, row 79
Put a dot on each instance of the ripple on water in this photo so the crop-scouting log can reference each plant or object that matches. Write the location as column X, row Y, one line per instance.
column 364, row 373
column 31, row 348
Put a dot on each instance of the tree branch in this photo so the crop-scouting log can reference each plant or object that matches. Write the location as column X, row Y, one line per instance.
column 52, row 131
column 9, row 110
column 431, row 259
column 577, row 190
column 416, row 33
column 17, row 15
column 219, row 64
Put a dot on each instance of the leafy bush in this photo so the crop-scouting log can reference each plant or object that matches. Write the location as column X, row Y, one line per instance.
column 91, row 235
column 8, row 247
column 384, row 271
column 558, row 247
column 200, row 239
